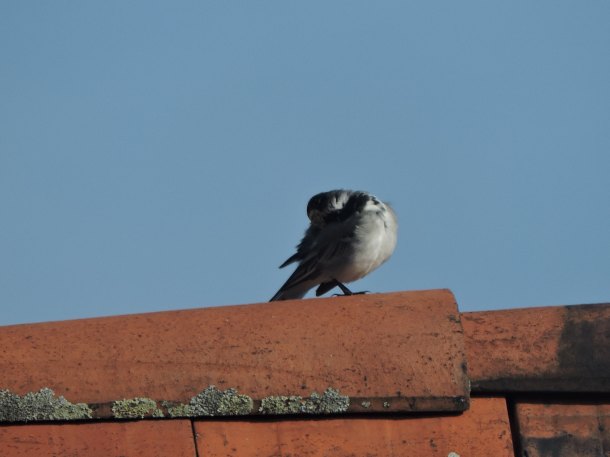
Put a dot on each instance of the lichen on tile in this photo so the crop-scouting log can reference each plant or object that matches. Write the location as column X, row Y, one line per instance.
column 331, row 401
column 213, row 402
column 41, row 405
column 133, row 408
column 233, row 404
column 281, row 404
column 177, row 410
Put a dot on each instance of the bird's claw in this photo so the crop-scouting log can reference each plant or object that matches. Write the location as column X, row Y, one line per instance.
column 352, row 293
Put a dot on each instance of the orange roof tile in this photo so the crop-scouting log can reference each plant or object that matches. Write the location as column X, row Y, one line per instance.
column 570, row 428
column 290, row 371
column 391, row 352
column 108, row 439
column 429, row 436
column 553, row 349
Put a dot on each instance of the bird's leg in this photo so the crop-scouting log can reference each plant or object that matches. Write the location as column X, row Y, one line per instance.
column 345, row 290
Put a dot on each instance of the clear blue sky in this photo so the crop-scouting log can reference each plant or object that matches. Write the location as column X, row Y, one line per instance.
column 160, row 155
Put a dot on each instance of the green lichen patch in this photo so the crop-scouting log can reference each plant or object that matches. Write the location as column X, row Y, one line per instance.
column 330, row 402
column 179, row 410
column 134, row 408
column 234, row 404
column 213, row 402
column 41, row 405
column 280, row 404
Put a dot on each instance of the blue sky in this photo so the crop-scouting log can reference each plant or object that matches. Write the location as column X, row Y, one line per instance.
column 160, row 155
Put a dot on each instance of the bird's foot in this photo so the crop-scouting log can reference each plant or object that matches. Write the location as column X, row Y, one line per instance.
column 352, row 293
column 346, row 291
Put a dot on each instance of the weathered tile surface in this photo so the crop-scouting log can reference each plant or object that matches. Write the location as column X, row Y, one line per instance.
column 387, row 352
column 479, row 432
column 107, row 439
column 553, row 349
column 564, row 430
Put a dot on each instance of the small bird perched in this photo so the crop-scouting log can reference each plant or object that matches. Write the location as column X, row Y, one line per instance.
column 351, row 233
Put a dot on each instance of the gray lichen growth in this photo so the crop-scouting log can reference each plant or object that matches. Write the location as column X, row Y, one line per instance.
column 133, row 408
column 281, row 404
column 213, row 402
column 41, row 405
column 366, row 404
column 180, row 410
column 234, row 404
column 328, row 403
column 331, row 401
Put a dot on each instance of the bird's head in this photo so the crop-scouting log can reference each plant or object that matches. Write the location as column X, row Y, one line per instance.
column 324, row 204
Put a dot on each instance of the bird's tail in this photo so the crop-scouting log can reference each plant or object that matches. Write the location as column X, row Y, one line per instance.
column 292, row 293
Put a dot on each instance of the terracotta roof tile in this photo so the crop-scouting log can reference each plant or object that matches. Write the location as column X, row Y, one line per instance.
column 553, row 349
column 292, row 370
column 107, row 439
column 482, row 431
column 390, row 352
column 564, row 429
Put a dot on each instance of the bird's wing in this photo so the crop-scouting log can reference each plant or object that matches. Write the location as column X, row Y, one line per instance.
column 293, row 258
column 334, row 242
column 305, row 246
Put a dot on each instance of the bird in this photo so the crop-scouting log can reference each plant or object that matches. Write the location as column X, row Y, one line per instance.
column 350, row 234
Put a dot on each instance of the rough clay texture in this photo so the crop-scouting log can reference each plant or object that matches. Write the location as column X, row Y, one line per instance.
column 289, row 348
column 563, row 349
column 550, row 349
column 565, row 429
column 481, row 431
column 142, row 438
